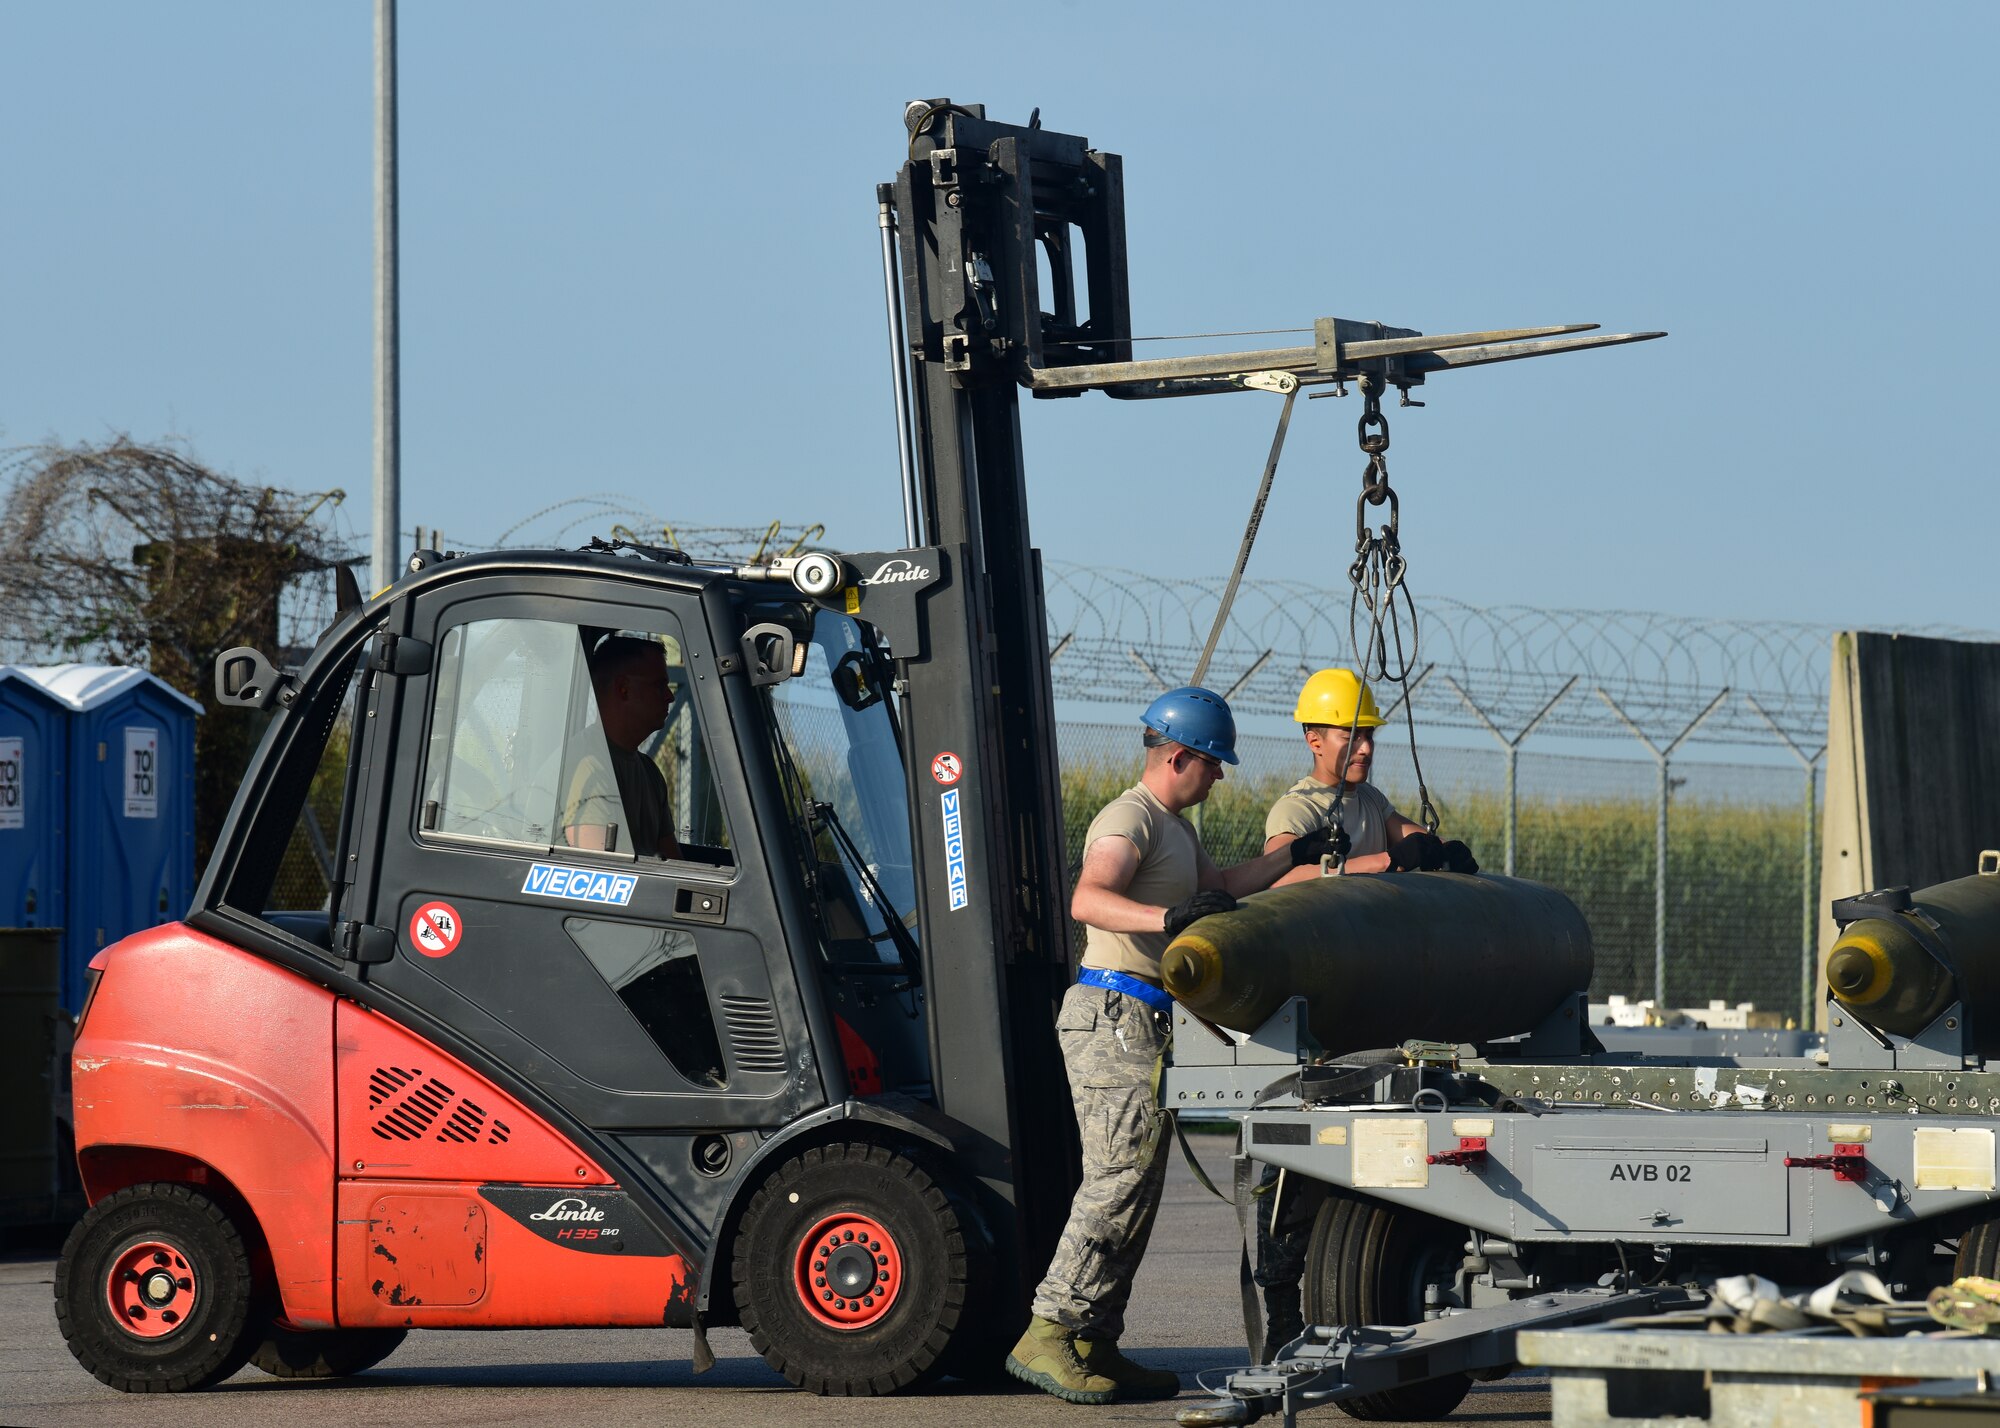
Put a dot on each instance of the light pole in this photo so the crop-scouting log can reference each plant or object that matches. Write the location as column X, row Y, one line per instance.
column 388, row 503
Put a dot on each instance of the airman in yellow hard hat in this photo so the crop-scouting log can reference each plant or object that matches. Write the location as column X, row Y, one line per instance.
column 1338, row 713
column 1339, row 717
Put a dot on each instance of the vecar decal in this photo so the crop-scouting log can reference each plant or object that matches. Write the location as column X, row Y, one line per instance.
column 954, row 850
column 579, row 884
column 590, row 1221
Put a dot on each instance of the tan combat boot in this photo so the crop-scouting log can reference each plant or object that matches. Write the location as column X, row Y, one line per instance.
column 1135, row 1381
column 1048, row 1357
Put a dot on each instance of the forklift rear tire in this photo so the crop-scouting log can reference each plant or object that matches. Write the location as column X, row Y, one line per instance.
column 154, row 1290
column 1368, row 1263
column 856, row 1270
column 323, row 1353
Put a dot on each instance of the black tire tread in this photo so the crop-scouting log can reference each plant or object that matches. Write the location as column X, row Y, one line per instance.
column 323, row 1353
column 1352, row 1242
column 1979, row 1252
column 926, row 1188
column 209, row 1362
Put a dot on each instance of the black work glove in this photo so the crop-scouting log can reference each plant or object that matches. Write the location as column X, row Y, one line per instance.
column 1417, row 852
column 1458, row 858
column 1314, row 846
column 1196, row 908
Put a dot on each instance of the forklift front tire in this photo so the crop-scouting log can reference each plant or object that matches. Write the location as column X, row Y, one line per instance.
column 323, row 1353
column 154, row 1290
column 856, row 1271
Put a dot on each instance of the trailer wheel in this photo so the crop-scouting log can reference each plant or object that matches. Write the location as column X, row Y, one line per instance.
column 1368, row 1263
column 1979, row 1252
column 154, row 1290
column 323, row 1353
column 856, row 1269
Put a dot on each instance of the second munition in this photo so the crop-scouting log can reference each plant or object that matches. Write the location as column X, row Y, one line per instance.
column 1386, row 959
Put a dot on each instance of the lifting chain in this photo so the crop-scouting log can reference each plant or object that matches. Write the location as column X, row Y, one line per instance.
column 1377, row 576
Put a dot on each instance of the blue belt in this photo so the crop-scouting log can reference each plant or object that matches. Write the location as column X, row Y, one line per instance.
column 1152, row 996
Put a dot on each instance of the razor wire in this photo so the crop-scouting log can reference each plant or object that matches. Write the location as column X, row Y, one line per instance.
column 1121, row 634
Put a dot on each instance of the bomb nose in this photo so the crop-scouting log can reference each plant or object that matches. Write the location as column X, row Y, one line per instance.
column 1848, row 971
column 1188, row 966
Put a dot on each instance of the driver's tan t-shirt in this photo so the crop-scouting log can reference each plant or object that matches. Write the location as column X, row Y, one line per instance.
column 1169, row 872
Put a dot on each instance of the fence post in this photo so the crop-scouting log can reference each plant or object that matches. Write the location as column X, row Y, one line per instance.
column 1661, row 756
column 1510, row 749
column 1149, row 671
column 1248, row 675
column 1809, row 950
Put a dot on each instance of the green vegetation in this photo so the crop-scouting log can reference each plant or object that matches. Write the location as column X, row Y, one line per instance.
column 1735, row 912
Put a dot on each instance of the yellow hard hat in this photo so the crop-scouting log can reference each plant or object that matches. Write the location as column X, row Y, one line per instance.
column 1330, row 697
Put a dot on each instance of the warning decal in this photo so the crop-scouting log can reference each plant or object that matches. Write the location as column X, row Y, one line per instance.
column 435, row 929
column 946, row 768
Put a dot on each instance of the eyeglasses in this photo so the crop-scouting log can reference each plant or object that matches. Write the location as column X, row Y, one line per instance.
column 1209, row 759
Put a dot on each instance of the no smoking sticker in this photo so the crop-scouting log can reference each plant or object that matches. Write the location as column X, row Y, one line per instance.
column 435, row 929
column 946, row 768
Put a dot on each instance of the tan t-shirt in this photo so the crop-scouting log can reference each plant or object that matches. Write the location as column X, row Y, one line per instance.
column 1169, row 872
column 1307, row 807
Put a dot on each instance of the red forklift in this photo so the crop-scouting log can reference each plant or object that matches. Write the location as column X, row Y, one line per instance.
column 696, row 931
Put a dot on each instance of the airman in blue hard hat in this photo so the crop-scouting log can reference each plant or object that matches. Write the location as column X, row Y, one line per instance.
column 1145, row 878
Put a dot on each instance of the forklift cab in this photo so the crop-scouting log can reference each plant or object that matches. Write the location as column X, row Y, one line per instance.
column 577, row 839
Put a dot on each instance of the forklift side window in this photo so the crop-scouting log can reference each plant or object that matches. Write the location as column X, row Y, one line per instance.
column 290, row 882
column 554, row 735
column 657, row 974
column 850, row 759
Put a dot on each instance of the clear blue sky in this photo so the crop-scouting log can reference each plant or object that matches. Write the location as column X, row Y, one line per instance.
column 640, row 257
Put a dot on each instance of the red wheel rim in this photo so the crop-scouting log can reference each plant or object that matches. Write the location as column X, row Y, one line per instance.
column 151, row 1289
column 848, row 1271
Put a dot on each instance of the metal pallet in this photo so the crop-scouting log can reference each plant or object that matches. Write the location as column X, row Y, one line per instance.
column 1676, row 1375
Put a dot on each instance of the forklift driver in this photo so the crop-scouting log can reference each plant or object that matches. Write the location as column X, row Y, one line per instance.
column 1145, row 878
column 620, row 785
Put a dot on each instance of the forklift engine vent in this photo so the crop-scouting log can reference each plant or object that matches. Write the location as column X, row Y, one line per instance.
column 417, row 1109
column 753, row 1034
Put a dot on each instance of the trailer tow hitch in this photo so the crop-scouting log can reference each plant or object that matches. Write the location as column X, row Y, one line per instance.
column 1331, row 1362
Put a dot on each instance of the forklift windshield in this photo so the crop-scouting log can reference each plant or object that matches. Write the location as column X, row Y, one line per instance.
column 842, row 765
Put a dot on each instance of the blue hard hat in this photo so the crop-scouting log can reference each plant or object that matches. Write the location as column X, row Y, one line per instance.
column 1196, row 717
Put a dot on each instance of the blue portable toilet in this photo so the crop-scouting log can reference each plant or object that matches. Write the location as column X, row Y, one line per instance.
column 130, row 775
column 34, row 803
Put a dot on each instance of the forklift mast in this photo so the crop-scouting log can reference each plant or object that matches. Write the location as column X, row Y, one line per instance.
column 977, row 201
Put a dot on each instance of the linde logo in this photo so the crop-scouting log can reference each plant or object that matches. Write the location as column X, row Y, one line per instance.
column 569, row 1209
column 897, row 571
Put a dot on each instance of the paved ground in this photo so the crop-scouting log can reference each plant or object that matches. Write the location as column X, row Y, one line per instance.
column 1185, row 1317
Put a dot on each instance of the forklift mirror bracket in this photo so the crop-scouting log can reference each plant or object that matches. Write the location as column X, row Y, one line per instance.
column 245, row 679
column 771, row 653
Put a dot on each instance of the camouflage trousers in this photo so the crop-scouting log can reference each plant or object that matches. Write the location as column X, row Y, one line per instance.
column 1111, row 1046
